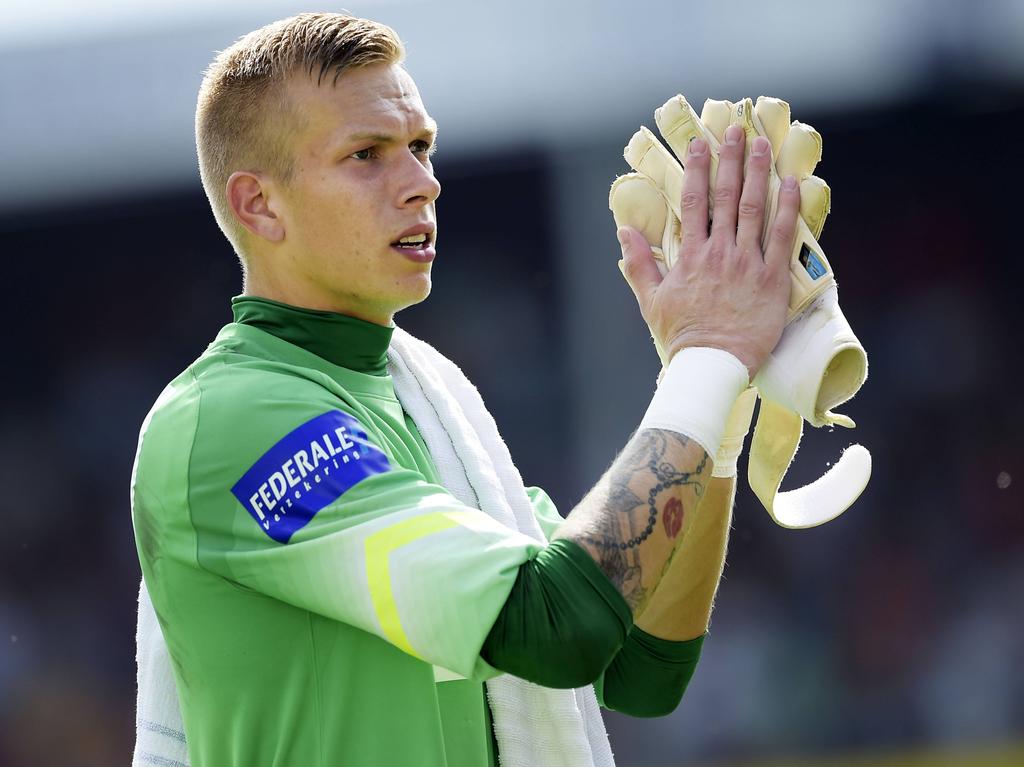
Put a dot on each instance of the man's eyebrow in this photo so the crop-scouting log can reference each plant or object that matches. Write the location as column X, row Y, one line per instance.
column 429, row 129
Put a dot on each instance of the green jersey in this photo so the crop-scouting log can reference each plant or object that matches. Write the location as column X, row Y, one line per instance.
column 324, row 600
column 309, row 571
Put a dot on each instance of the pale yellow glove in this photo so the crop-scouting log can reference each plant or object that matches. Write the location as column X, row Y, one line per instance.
column 796, row 151
column 819, row 363
column 736, row 427
column 810, row 272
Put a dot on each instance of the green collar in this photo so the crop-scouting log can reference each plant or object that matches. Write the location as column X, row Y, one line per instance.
column 341, row 340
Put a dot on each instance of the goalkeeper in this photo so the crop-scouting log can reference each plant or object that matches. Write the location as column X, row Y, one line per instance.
column 331, row 584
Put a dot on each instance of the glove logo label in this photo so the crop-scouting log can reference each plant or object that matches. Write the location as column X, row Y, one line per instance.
column 307, row 469
column 812, row 263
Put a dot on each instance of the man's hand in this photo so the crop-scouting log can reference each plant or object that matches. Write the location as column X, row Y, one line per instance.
column 723, row 291
column 818, row 362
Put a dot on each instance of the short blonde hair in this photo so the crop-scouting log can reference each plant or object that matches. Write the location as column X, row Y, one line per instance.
column 243, row 114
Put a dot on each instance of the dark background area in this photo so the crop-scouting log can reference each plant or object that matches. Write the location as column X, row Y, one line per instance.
column 901, row 624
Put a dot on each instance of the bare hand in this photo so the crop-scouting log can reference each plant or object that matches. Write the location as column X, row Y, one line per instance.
column 722, row 291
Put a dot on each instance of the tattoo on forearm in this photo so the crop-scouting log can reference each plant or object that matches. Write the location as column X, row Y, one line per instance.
column 672, row 517
column 616, row 537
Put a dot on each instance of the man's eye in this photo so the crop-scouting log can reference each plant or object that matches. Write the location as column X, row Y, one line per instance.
column 363, row 154
column 423, row 147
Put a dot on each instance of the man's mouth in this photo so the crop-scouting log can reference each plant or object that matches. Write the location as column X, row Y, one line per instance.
column 417, row 243
column 413, row 242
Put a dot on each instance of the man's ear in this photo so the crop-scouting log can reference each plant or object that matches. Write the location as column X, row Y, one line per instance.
column 248, row 196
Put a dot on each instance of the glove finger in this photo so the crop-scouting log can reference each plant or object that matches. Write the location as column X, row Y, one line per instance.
column 743, row 115
column 716, row 115
column 679, row 125
column 797, row 156
column 648, row 156
column 815, row 203
column 773, row 116
column 636, row 202
column 800, row 152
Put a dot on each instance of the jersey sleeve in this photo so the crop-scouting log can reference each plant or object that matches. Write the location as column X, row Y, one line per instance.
column 294, row 492
column 544, row 511
column 649, row 675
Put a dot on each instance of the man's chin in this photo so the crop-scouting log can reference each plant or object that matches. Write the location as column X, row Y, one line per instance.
column 417, row 293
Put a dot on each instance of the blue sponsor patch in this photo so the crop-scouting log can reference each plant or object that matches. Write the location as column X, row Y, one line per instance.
column 307, row 469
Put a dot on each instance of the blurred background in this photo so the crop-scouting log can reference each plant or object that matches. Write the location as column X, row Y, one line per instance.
column 891, row 636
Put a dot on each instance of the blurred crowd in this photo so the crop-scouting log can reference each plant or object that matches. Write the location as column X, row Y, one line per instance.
column 900, row 623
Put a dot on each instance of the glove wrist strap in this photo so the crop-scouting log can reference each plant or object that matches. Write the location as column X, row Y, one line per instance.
column 736, row 428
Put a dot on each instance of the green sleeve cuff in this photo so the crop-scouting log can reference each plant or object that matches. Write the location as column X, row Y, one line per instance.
column 587, row 568
column 649, row 675
column 563, row 622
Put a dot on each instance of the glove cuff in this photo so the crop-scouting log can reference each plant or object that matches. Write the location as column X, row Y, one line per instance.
column 736, row 428
column 817, row 365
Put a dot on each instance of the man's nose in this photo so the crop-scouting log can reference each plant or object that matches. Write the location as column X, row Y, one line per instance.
column 419, row 185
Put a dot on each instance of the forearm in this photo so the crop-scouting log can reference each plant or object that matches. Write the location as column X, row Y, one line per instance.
column 570, row 609
column 649, row 675
column 634, row 519
column 680, row 608
column 565, row 620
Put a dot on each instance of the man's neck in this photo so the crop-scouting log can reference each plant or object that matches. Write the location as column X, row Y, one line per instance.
column 307, row 297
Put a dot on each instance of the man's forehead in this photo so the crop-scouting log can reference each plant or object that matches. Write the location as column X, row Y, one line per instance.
column 365, row 94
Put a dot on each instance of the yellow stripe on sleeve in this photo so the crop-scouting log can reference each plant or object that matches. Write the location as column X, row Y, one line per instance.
column 378, row 548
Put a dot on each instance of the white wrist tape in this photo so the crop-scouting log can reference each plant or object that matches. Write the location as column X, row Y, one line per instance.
column 696, row 394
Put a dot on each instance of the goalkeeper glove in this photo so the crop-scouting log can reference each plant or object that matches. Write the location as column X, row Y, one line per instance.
column 819, row 363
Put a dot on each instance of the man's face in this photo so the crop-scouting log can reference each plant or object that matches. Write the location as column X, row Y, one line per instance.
column 363, row 181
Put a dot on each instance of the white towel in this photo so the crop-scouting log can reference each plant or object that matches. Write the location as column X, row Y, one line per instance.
column 159, row 732
column 534, row 726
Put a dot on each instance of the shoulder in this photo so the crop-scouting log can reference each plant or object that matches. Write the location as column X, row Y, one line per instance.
column 239, row 430
column 229, row 407
column 252, row 408
column 223, row 386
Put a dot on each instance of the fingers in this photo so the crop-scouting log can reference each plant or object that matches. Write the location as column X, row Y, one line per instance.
column 783, row 232
column 693, row 204
column 638, row 265
column 728, row 183
column 752, row 200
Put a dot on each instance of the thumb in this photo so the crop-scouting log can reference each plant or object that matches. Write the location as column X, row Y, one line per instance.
column 637, row 265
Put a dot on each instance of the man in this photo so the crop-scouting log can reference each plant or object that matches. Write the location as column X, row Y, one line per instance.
column 324, row 598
